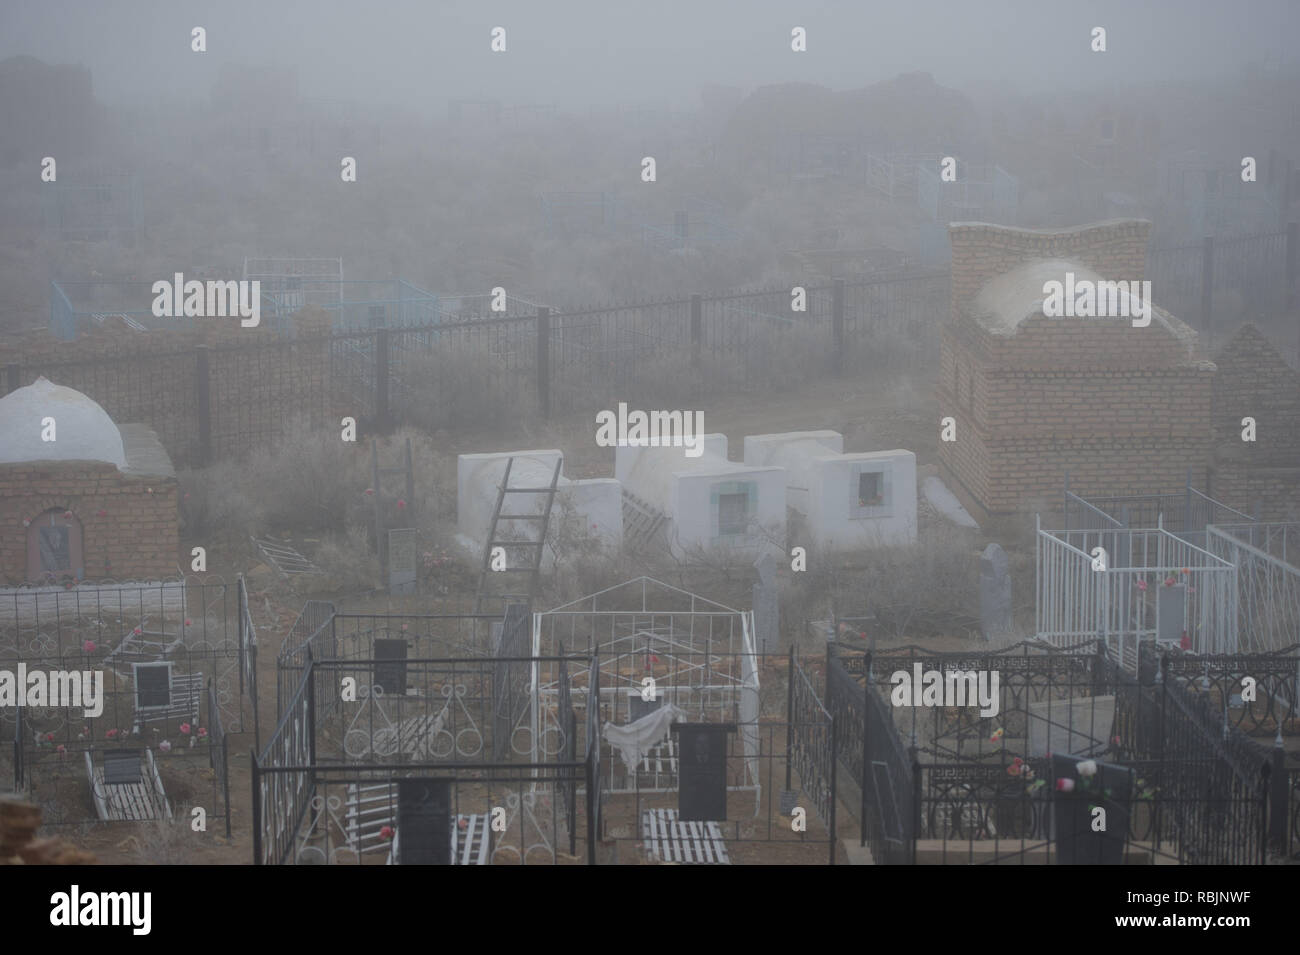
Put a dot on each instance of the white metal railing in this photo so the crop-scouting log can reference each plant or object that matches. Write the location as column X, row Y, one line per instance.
column 1268, row 586
column 1128, row 585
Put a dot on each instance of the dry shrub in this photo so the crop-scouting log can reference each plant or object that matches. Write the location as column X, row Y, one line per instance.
column 160, row 842
column 309, row 481
column 348, row 562
column 462, row 384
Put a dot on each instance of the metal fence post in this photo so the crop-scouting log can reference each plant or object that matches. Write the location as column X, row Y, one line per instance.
column 697, row 328
column 834, row 781
column 382, row 409
column 257, row 808
column 866, row 745
column 1265, row 772
column 203, row 386
column 916, row 800
column 1279, row 799
column 837, row 324
column 544, row 361
column 1291, row 278
column 789, row 719
column 1207, row 288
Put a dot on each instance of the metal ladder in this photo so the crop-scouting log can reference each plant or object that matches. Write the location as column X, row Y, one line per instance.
column 535, row 546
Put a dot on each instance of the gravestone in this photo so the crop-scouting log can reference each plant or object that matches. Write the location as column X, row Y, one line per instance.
column 1171, row 609
column 1111, row 788
column 153, row 685
column 995, row 592
column 121, row 766
column 401, row 561
column 1079, row 725
column 390, row 677
column 767, row 606
column 424, row 821
column 637, row 707
column 702, row 770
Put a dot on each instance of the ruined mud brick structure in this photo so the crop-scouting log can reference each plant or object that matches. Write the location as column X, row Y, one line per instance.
column 1116, row 406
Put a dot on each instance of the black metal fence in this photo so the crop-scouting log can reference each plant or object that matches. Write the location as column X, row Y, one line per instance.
column 811, row 748
column 140, row 655
column 221, row 401
column 980, row 788
column 873, row 756
column 323, row 633
column 1258, row 271
column 20, row 780
column 325, row 786
column 218, row 756
column 248, row 657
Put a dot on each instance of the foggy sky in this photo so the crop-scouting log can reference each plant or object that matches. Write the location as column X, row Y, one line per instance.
column 415, row 54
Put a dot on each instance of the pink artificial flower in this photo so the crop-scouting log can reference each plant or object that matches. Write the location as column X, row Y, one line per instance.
column 370, row 490
column 400, row 504
column 89, row 646
column 185, row 729
column 61, row 750
column 165, row 746
column 188, row 621
column 49, row 737
column 111, row 734
column 137, row 631
column 203, row 732
column 67, row 515
column 386, row 832
column 1142, row 585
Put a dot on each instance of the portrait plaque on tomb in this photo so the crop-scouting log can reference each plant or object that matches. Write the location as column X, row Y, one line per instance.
column 121, row 766
column 153, row 685
column 702, row 770
column 424, row 821
column 390, row 677
column 401, row 560
column 1109, row 787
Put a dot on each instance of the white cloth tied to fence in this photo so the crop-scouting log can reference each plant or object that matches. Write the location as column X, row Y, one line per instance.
column 635, row 740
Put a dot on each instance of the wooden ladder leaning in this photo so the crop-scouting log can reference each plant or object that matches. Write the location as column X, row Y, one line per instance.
column 495, row 599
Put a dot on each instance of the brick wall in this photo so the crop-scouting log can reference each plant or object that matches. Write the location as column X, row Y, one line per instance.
column 129, row 524
column 1114, row 249
column 259, row 383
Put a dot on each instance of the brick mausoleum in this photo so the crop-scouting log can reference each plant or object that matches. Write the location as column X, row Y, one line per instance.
column 1118, row 407
column 99, row 501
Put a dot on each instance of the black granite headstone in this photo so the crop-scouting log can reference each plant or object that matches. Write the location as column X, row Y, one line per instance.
column 638, row 707
column 424, row 821
column 702, row 770
column 153, row 685
column 121, row 766
column 1111, row 788
column 391, row 677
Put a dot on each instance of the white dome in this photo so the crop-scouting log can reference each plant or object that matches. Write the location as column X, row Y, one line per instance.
column 83, row 430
